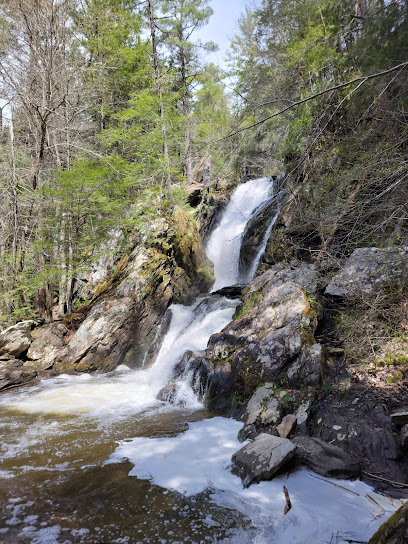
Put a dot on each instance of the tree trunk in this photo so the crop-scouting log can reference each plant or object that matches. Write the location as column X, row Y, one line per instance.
column 159, row 93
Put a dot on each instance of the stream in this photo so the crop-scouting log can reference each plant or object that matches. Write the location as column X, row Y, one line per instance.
column 98, row 459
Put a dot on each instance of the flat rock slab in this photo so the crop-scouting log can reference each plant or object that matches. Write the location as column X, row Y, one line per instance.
column 400, row 417
column 12, row 376
column 326, row 459
column 262, row 458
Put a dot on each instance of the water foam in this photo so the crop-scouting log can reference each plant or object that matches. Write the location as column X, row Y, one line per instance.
column 200, row 459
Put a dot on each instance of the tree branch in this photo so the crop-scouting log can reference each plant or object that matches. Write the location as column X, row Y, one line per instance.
column 363, row 79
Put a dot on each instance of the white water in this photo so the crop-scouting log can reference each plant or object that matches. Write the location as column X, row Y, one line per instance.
column 199, row 458
column 124, row 393
column 224, row 246
column 323, row 509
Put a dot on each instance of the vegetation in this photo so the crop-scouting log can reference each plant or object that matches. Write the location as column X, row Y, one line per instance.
column 108, row 112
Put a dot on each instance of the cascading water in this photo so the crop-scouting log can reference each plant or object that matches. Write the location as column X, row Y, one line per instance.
column 69, row 444
column 224, row 246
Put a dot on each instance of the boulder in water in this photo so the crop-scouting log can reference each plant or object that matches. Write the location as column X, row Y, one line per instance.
column 326, row 459
column 13, row 374
column 262, row 458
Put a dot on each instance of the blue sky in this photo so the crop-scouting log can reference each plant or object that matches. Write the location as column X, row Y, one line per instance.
column 222, row 26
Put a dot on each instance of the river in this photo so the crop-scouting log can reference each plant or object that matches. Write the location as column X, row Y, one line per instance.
column 98, row 459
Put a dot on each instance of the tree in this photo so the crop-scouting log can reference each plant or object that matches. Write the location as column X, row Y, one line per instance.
column 182, row 18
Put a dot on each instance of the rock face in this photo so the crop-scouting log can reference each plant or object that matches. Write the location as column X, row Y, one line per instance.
column 47, row 342
column 270, row 340
column 16, row 339
column 326, row 459
column 262, row 458
column 122, row 320
column 368, row 270
column 13, row 373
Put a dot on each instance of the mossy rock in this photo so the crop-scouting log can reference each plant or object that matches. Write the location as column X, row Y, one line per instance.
column 392, row 531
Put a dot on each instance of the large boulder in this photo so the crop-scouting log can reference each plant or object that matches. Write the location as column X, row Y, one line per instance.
column 47, row 342
column 262, row 459
column 368, row 270
column 168, row 265
column 16, row 339
column 272, row 332
column 326, row 459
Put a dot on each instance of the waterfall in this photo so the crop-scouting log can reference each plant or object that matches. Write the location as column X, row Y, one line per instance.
column 63, row 443
column 224, row 245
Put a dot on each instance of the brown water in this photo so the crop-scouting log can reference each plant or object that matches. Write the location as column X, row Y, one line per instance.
column 55, row 487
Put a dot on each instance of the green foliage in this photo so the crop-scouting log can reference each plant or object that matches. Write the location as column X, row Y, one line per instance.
column 248, row 305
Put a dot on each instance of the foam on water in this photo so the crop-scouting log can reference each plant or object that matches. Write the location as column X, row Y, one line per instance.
column 224, row 245
column 200, row 459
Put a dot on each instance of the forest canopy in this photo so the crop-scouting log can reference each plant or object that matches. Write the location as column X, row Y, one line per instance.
column 109, row 112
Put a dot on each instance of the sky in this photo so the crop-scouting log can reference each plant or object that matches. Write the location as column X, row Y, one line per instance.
column 222, row 27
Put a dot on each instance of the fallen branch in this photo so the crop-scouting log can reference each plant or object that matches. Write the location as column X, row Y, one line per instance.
column 363, row 79
column 375, row 476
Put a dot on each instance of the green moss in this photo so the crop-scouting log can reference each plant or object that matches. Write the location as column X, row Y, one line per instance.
column 396, row 377
column 248, row 305
column 390, row 527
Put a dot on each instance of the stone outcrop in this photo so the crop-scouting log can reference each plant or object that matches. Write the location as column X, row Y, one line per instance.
column 121, row 321
column 13, row 373
column 326, row 459
column 257, row 228
column 16, row 339
column 262, row 459
column 368, row 270
column 47, row 342
column 270, row 340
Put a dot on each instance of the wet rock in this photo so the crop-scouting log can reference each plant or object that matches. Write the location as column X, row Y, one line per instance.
column 47, row 342
column 360, row 425
column 10, row 376
column 256, row 229
column 287, row 425
column 404, row 437
column 326, row 459
column 181, row 366
column 231, row 291
column 168, row 393
column 262, row 458
column 16, row 339
column 368, row 270
column 400, row 416
column 273, row 331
